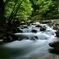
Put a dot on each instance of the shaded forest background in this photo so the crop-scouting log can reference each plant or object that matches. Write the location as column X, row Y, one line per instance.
column 29, row 9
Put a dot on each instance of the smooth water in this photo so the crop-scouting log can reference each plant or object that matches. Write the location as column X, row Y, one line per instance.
column 32, row 45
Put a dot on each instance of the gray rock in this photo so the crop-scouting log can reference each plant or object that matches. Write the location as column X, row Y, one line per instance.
column 42, row 28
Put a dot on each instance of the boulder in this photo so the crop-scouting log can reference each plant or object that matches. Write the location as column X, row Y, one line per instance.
column 34, row 31
column 25, row 26
column 57, row 33
column 42, row 28
column 54, row 44
column 38, row 26
column 9, row 37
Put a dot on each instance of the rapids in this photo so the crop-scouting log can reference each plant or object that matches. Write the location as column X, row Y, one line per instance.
column 31, row 44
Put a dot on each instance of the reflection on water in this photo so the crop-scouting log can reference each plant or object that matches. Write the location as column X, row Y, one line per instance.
column 32, row 45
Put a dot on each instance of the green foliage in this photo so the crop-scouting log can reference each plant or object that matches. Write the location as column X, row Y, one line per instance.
column 37, row 9
column 23, row 10
column 49, row 9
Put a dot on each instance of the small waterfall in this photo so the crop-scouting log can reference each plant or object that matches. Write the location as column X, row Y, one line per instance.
column 34, row 43
column 40, row 35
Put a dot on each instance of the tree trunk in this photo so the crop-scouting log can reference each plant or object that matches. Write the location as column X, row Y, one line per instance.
column 1, row 12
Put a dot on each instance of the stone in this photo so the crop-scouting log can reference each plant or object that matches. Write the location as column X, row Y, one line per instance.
column 42, row 28
column 46, row 21
column 38, row 26
column 55, row 28
column 9, row 37
column 25, row 26
column 54, row 44
column 34, row 31
column 57, row 33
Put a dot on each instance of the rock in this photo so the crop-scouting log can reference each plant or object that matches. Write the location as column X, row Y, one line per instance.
column 22, row 23
column 21, row 37
column 57, row 33
column 38, row 26
column 42, row 28
column 25, row 26
column 35, row 37
column 46, row 21
column 34, row 31
column 9, row 37
column 55, row 28
column 19, row 30
column 54, row 44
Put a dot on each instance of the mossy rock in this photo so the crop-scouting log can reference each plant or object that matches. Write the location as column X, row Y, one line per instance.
column 54, row 44
column 55, row 28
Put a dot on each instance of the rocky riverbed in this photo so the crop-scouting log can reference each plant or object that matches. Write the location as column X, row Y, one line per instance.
column 34, row 41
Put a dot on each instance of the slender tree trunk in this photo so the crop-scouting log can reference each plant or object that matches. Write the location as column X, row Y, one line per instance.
column 1, row 12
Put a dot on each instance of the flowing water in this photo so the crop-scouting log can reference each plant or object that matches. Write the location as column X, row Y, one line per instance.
column 31, row 44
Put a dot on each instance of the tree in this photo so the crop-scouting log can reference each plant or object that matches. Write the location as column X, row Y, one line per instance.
column 2, row 6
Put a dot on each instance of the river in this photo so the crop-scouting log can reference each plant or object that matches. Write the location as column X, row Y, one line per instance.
column 32, row 45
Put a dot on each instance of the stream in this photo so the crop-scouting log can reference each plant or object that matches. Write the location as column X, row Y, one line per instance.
column 31, row 45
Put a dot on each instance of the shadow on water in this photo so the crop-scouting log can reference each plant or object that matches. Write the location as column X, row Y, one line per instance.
column 54, row 51
column 6, row 53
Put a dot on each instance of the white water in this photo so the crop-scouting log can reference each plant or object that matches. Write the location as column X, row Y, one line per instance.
column 31, row 46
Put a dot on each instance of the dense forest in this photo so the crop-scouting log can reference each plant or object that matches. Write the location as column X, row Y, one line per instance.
column 33, row 9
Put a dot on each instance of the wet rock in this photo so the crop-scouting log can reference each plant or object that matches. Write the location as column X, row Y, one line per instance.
column 34, row 31
column 55, row 28
column 25, row 26
column 9, row 37
column 38, row 26
column 35, row 37
column 54, row 44
column 42, row 28
column 57, row 33
column 21, row 37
